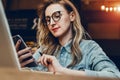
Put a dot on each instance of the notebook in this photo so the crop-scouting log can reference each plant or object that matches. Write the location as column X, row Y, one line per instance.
column 8, row 55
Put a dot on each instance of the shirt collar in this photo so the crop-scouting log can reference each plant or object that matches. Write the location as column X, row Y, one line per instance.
column 67, row 46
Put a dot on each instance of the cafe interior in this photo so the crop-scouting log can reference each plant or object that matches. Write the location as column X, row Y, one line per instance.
column 100, row 18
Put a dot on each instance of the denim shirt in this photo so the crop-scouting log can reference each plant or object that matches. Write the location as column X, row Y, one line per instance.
column 94, row 61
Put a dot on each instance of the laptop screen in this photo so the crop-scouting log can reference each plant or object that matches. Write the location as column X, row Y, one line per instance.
column 8, row 56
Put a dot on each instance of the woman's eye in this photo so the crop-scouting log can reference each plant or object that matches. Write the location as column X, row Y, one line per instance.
column 56, row 16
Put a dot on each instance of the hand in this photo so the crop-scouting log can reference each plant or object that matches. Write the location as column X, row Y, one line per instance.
column 50, row 62
column 24, row 54
column 53, row 66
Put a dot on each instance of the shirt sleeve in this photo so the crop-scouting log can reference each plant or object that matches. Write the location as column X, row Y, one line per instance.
column 100, row 64
column 36, row 56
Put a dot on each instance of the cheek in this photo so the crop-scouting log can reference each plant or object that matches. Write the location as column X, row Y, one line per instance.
column 65, row 22
column 49, row 28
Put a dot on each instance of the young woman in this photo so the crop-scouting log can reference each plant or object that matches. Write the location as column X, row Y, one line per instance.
column 63, row 44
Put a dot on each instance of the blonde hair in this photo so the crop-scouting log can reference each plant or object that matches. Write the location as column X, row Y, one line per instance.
column 51, row 44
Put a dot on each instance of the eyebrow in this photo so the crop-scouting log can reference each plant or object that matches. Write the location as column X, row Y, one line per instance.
column 52, row 13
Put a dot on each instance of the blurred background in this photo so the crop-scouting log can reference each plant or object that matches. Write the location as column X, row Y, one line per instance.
column 100, row 18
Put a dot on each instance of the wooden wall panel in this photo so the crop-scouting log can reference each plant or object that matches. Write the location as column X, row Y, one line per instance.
column 104, row 30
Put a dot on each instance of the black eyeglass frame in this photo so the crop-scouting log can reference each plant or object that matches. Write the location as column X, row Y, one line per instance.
column 56, row 16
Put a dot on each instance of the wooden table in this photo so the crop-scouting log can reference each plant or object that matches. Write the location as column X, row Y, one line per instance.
column 13, row 74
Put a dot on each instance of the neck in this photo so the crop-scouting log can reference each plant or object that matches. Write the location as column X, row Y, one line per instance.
column 65, row 38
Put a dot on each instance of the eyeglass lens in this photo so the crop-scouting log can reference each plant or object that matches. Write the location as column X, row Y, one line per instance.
column 56, row 16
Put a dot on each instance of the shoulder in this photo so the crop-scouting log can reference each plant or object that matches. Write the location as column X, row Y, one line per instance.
column 90, row 46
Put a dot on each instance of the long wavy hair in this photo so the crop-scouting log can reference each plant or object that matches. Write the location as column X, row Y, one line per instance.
column 50, row 43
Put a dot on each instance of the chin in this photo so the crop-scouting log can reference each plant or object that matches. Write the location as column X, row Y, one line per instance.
column 56, row 35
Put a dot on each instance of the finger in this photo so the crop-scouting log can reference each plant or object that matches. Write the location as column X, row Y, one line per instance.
column 45, row 60
column 22, row 57
column 27, row 62
column 17, row 45
column 23, row 51
column 50, row 68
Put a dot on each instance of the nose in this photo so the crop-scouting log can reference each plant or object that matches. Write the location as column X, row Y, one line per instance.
column 52, row 22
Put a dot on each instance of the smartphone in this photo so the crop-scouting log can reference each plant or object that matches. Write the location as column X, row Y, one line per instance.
column 23, row 46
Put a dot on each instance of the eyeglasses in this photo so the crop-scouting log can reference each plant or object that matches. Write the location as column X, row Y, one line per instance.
column 56, row 16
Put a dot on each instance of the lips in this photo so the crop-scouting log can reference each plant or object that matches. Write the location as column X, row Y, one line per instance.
column 55, row 29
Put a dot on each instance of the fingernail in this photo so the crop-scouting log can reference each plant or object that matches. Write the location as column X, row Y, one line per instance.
column 19, row 41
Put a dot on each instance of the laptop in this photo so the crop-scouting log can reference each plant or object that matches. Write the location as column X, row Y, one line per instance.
column 8, row 55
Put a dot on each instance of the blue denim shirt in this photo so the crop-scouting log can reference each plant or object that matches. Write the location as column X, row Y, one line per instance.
column 94, row 61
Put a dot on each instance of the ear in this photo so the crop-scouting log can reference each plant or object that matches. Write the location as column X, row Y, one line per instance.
column 72, row 16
